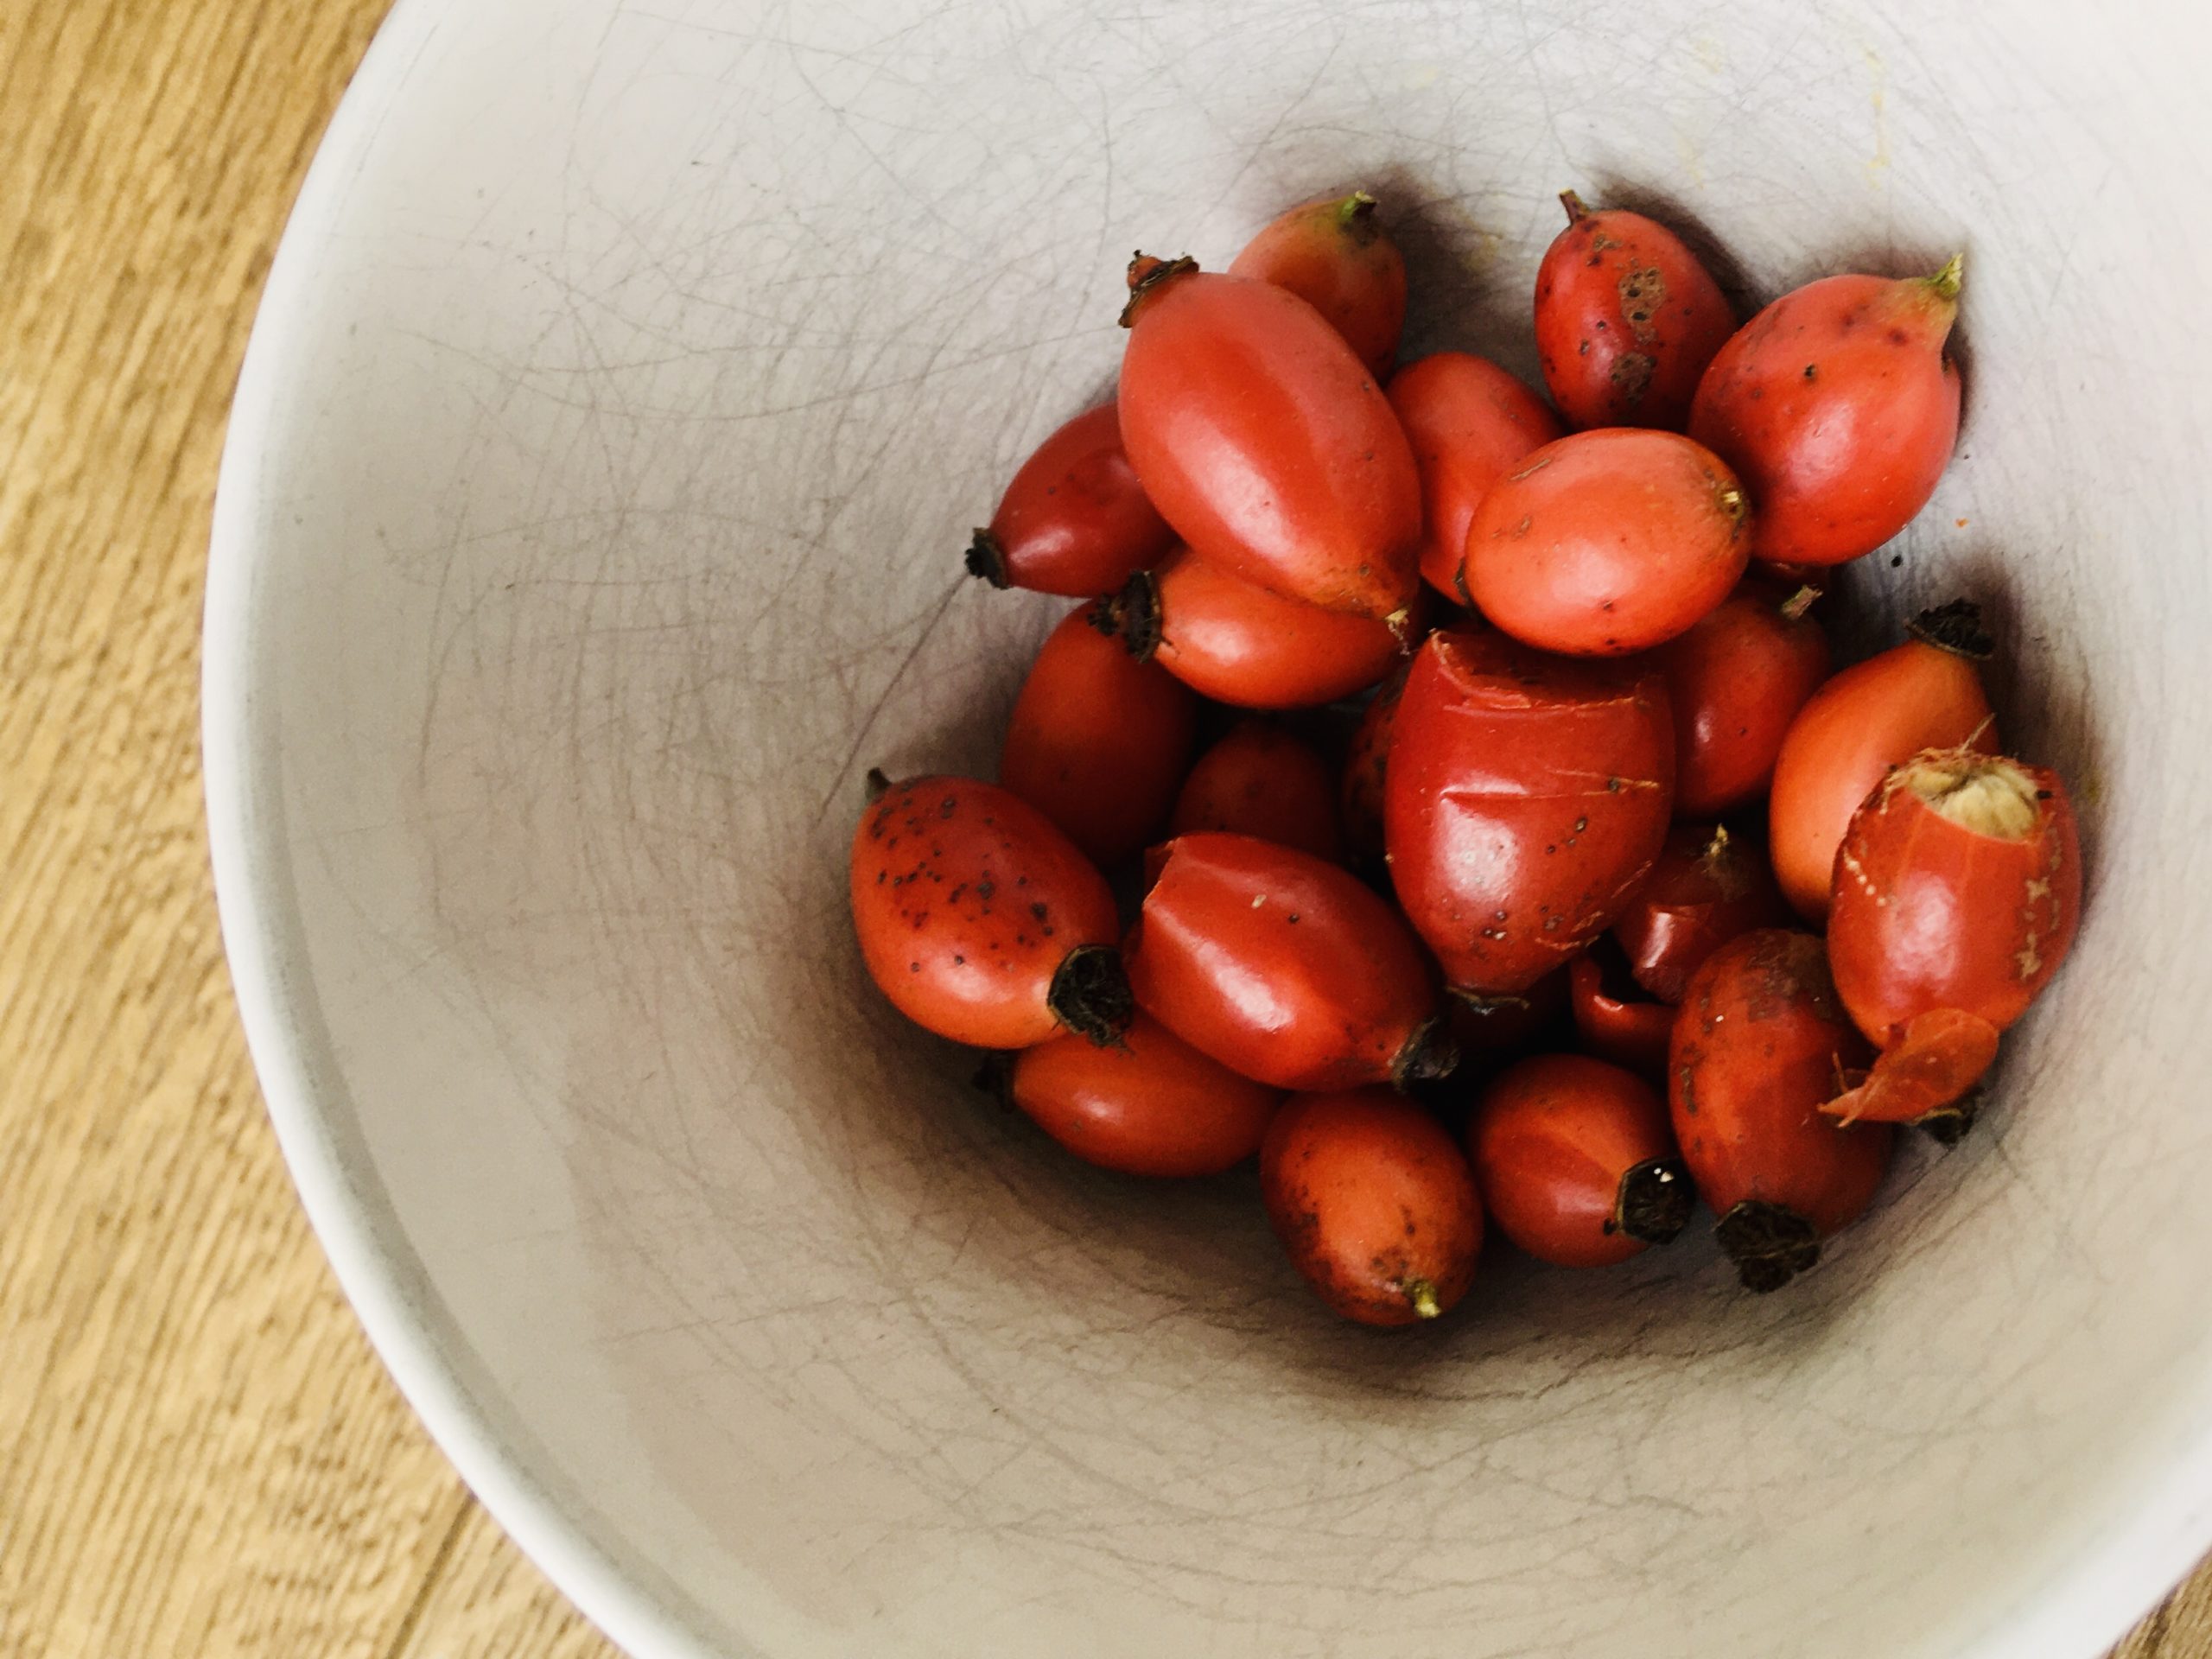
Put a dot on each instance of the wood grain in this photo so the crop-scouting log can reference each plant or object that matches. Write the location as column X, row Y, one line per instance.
column 199, row 1454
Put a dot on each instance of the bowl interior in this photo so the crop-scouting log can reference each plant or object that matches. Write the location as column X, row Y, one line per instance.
column 626, row 389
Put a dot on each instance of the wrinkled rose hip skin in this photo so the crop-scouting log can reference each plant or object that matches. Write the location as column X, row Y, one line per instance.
column 1266, row 442
column 1367, row 763
column 1334, row 256
column 1625, row 1030
column 1099, row 742
column 1626, row 320
column 1875, row 715
column 1260, row 780
column 1607, row 542
column 1234, row 641
column 1284, row 967
column 1707, row 887
column 1958, row 889
column 1526, row 796
column 1839, row 407
column 1374, row 1203
column 1149, row 1104
column 1757, row 1048
column 1074, row 520
column 1469, row 422
column 1576, row 1163
column 980, row 921
column 1736, row 680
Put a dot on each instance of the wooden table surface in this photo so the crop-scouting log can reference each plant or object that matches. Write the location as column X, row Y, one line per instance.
column 199, row 1454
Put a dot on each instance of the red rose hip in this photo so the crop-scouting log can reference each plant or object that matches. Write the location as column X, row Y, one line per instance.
column 1335, row 256
column 1469, row 422
column 1260, row 780
column 1627, row 318
column 1707, row 887
column 1074, row 520
column 1736, row 680
column 1374, row 1203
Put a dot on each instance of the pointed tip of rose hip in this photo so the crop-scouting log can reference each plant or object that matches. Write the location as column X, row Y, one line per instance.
column 986, row 558
column 1091, row 994
column 1946, row 283
column 1575, row 211
column 1356, row 214
column 1421, row 1296
column 875, row 785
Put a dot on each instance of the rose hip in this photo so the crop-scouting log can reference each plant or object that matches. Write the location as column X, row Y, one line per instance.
column 1334, row 256
column 1374, row 1203
column 1284, row 967
column 1706, row 888
column 1526, row 798
column 1258, row 780
column 1099, row 742
column 1736, row 680
column 1074, row 520
column 1626, row 1031
column 1575, row 1162
column 1367, row 763
column 1469, row 422
column 1839, row 407
column 1756, row 1050
column 1627, row 318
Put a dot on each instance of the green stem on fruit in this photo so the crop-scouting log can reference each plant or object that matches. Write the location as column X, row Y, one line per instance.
column 1795, row 608
column 1355, row 216
column 1947, row 282
column 1422, row 1295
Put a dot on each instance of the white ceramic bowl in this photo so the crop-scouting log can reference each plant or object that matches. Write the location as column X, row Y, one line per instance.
column 592, row 519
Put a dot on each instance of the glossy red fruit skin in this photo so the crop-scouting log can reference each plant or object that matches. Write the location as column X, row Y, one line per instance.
column 1933, row 916
column 1929, row 1064
column 1870, row 717
column 1367, row 763
column 1469, row 422
column 1627, row 319
column 1526, row 798
column 1374, row 1203
column 1839, row 408
column 1260, row 780
column 967, row 902
column 1707, row 887
column 1281, row 965
column 1551, row 1140
column 1607, row 542
column 1626, row 1032
column 1149, row 1104
column 1736, row 679
column 1099, row 742
column 1333, row 255
column 1234, row 641
column 1756, row 1050
column 1075, row 520
column 1267, row 444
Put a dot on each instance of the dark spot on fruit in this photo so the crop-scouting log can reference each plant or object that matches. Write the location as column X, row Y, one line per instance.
column 1612, row 785
column 958, row 960
column 1581, row 824
column 1898, row 337
column 986, row 890
column 1757, row 392
column 1294, row 919
column 1583, row 350
column 913, row 967
column 948, row 806
column 1810, row 373
column 1038, row 911
column 879, row 875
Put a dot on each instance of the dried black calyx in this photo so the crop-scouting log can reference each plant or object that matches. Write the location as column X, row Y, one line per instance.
column 1947, row 1125
column 1654, row 1201
column 1956, row 627
column 1769, row 1243
column 987, row 558
column 1429, row 1055
column 1135, row 615
column 1090, row 996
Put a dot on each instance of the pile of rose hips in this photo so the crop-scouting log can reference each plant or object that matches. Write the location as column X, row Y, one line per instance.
column 1617, row 655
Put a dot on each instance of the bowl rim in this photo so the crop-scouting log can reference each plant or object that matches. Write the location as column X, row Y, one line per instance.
column 2076, row 1614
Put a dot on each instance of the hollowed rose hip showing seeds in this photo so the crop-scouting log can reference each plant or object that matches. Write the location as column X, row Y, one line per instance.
column 1074, row 520
column 980, row 921
column 1839, row 407
column 1607, row 542
column 1266, row 442
column 1234, row 641
column 1149, row 1104
column 1469, row 422
column 1335, row 255
column 1260, row 780
column 1958, row 889
column 1284, row 967
column 1098, row 741
column 1875, row 715
column 1575, row 1162
column 1627, row 318
column 1526, row 798
column 1374, row 1203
